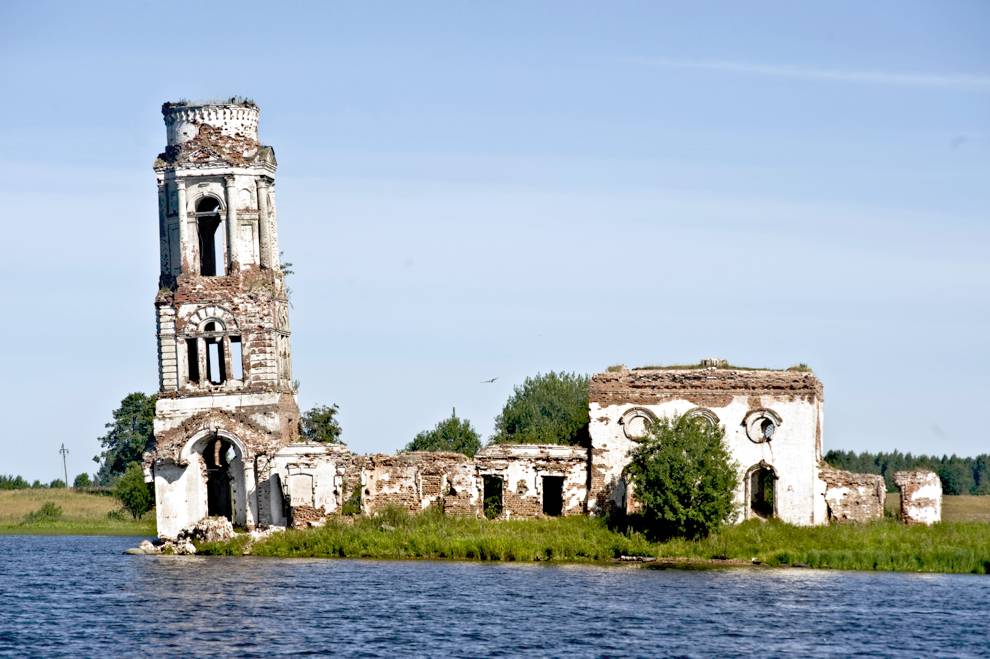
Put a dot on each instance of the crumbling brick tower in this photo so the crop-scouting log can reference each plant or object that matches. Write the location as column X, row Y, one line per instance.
column 226, row 402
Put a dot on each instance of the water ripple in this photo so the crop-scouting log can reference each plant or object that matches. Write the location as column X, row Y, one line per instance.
column 80, row 596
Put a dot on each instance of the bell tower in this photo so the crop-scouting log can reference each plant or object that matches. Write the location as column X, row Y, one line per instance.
column 226, row 401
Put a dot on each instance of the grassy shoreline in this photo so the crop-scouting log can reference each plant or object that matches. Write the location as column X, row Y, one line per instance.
column 137, row 529
column 962, row 547
column 81, row 514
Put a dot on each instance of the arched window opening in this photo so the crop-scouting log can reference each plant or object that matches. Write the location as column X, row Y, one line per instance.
column 214, row 349
column 762, row 491
column 218, row 455
column 210, row 237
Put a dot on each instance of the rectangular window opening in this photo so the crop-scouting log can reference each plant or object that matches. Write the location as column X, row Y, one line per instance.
column 192, row 352
column 236, row 358
column 216, row 371
column 553, row 496
column 492, row 496
column 210, row 246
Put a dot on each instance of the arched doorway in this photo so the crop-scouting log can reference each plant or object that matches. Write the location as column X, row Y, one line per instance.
column 761, row 486
column 218, row 454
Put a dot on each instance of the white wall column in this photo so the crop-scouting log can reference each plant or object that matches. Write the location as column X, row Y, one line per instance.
column 230, row 192
column 203, row 359
column 185, row 248
column 264, row 237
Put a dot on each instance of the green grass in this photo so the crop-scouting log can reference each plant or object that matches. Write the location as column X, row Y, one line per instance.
column 397, row 535
column 885, row 545
column 67, row 512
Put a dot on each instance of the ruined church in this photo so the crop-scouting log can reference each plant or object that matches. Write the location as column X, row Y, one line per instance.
column 226, row 439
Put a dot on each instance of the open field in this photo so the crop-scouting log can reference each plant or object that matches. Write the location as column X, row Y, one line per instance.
column 83, row 514
column 964, row 508
column 883, row 545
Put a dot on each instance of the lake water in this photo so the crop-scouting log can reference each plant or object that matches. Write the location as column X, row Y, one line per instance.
column 81, row 596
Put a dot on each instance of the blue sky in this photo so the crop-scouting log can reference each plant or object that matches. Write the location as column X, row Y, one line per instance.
column 478, row 190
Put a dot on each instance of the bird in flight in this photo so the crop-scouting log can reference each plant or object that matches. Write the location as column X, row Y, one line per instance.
column 489, row 381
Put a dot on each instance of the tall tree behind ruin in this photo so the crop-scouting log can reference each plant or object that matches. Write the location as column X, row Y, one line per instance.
column 319, row 424
column 451, row 434
column 127, row 436
column 546, row 409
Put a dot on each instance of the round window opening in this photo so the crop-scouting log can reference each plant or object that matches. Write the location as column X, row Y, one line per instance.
column 761, row 425
column 636, row 423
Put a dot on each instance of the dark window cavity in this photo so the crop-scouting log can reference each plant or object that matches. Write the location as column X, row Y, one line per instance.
column 762, row 486
column 553, row 495
column 219, row 492
column 210, row 245
column 492, row 496
column 192, row 351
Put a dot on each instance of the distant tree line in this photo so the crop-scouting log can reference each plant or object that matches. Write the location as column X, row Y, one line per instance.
column 958, row 475
column 19, row 483
column 550, row 408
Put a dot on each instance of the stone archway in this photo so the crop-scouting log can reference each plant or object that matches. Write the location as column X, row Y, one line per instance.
column 223, row 487
column 761, row 491
column 217, row 456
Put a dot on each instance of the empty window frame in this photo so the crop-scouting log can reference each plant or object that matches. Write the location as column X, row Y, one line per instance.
column 216, row 367
column 762, row 491
column 492, row 496
column 236, row 358
column 192, row 354
column 211, row 261
column 553, row 496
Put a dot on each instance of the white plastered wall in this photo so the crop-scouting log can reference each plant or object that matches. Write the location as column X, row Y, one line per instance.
column 794, row 451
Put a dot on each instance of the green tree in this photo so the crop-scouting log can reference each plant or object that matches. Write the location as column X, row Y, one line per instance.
column 546, row 409
column 956, row 476
column 684, row 477
column 981, row 474
column 13, row 483
column 57, row 484
column 320, row 424
column 134, row 494
column 128, row 436
column 82, row 480
column 451, row 434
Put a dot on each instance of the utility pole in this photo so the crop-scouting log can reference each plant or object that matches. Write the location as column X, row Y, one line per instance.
column 65, row 470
